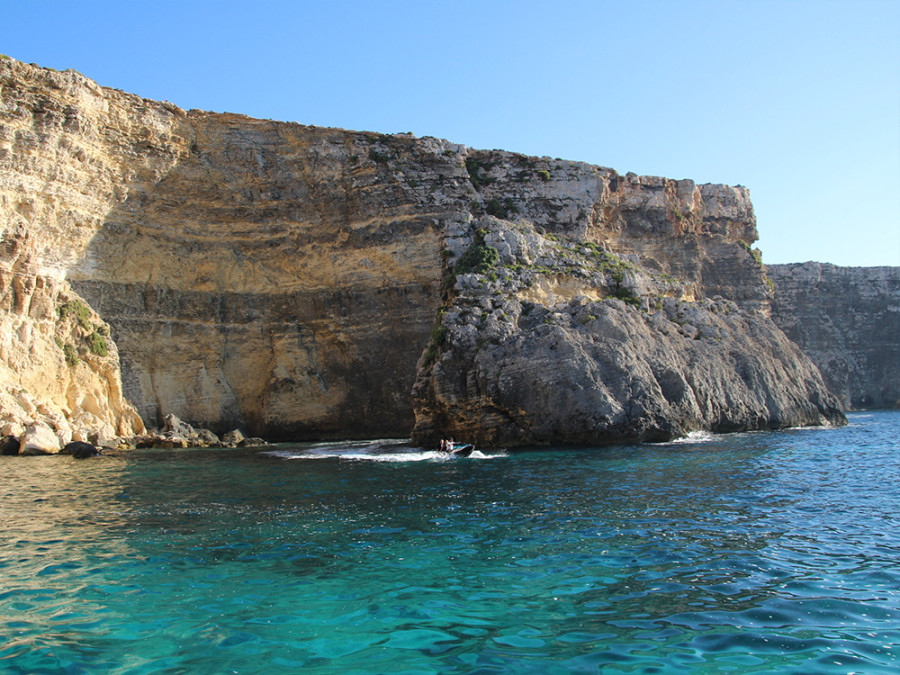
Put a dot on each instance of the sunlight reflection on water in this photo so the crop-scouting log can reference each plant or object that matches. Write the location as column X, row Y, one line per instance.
column 750, row 553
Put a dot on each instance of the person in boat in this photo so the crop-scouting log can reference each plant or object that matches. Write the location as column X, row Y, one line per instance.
column 447, row 446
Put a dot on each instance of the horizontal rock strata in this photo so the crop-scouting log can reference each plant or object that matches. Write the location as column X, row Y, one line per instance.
column 847, row 320
column 288, row 280
column 257, row 274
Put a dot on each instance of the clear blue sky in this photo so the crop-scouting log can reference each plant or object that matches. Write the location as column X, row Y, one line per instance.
column 799, row 100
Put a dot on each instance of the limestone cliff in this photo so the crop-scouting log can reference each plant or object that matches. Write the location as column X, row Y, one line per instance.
column 847, row 320
column 58, row 367
column 700, row 234
column 287, row 279
column 266, row 275
column 548, row 339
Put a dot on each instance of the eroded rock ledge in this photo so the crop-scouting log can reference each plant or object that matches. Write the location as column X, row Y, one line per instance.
column 288, row 280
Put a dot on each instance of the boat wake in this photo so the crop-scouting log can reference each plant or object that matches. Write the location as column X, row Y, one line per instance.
column 372, row 451
column 692, row 437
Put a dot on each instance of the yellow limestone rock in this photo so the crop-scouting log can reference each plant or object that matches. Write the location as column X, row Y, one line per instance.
column 286, row 280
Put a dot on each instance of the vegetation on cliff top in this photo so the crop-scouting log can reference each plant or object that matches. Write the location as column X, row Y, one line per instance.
column 476, row 169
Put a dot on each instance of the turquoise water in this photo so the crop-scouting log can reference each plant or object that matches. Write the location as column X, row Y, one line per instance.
column 751, row 553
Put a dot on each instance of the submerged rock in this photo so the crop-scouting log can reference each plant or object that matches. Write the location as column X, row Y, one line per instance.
column 80, row 450
column 253, row 442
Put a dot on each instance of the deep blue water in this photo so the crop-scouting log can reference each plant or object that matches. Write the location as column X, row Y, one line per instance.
column 750, row 553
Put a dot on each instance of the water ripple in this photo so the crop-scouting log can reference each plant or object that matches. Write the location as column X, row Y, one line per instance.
column 756, row 553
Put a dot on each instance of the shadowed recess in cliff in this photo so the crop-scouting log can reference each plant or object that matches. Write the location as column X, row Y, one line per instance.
column 276, row 278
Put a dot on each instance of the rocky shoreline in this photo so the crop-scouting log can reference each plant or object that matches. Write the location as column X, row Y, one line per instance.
column 41, row 439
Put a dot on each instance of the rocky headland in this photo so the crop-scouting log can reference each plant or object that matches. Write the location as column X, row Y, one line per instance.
column 300, row 282
column 544, row 338
column 847, row 320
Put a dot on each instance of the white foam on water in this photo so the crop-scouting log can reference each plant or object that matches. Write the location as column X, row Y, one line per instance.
column 693, row 437
column 373, row 451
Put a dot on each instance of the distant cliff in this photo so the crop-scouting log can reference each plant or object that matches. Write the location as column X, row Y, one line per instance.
column 303, row 282
column 847, row 320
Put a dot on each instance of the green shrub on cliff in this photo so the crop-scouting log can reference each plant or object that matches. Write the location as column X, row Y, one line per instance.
column 97, row 343
column 438, row 335
column 379, row 157
column 500, row 209
column 478, row 258
column 475, row 169
column 627, row 296
column 77, row 309
column 71, row 354
column 755, row 253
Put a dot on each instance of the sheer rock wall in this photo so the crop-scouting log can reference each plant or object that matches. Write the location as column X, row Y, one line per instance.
column 287, row 279
column 847, row 320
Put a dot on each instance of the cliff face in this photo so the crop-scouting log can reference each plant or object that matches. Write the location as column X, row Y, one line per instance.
column 58, row 366
column 555, row 339
column 255, row 274
column 847, row 320
column 275, row 278
column 287, row 279
column 59, row 369
column 699, row 234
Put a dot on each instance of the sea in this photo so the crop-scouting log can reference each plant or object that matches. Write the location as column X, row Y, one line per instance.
column 767, row 552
